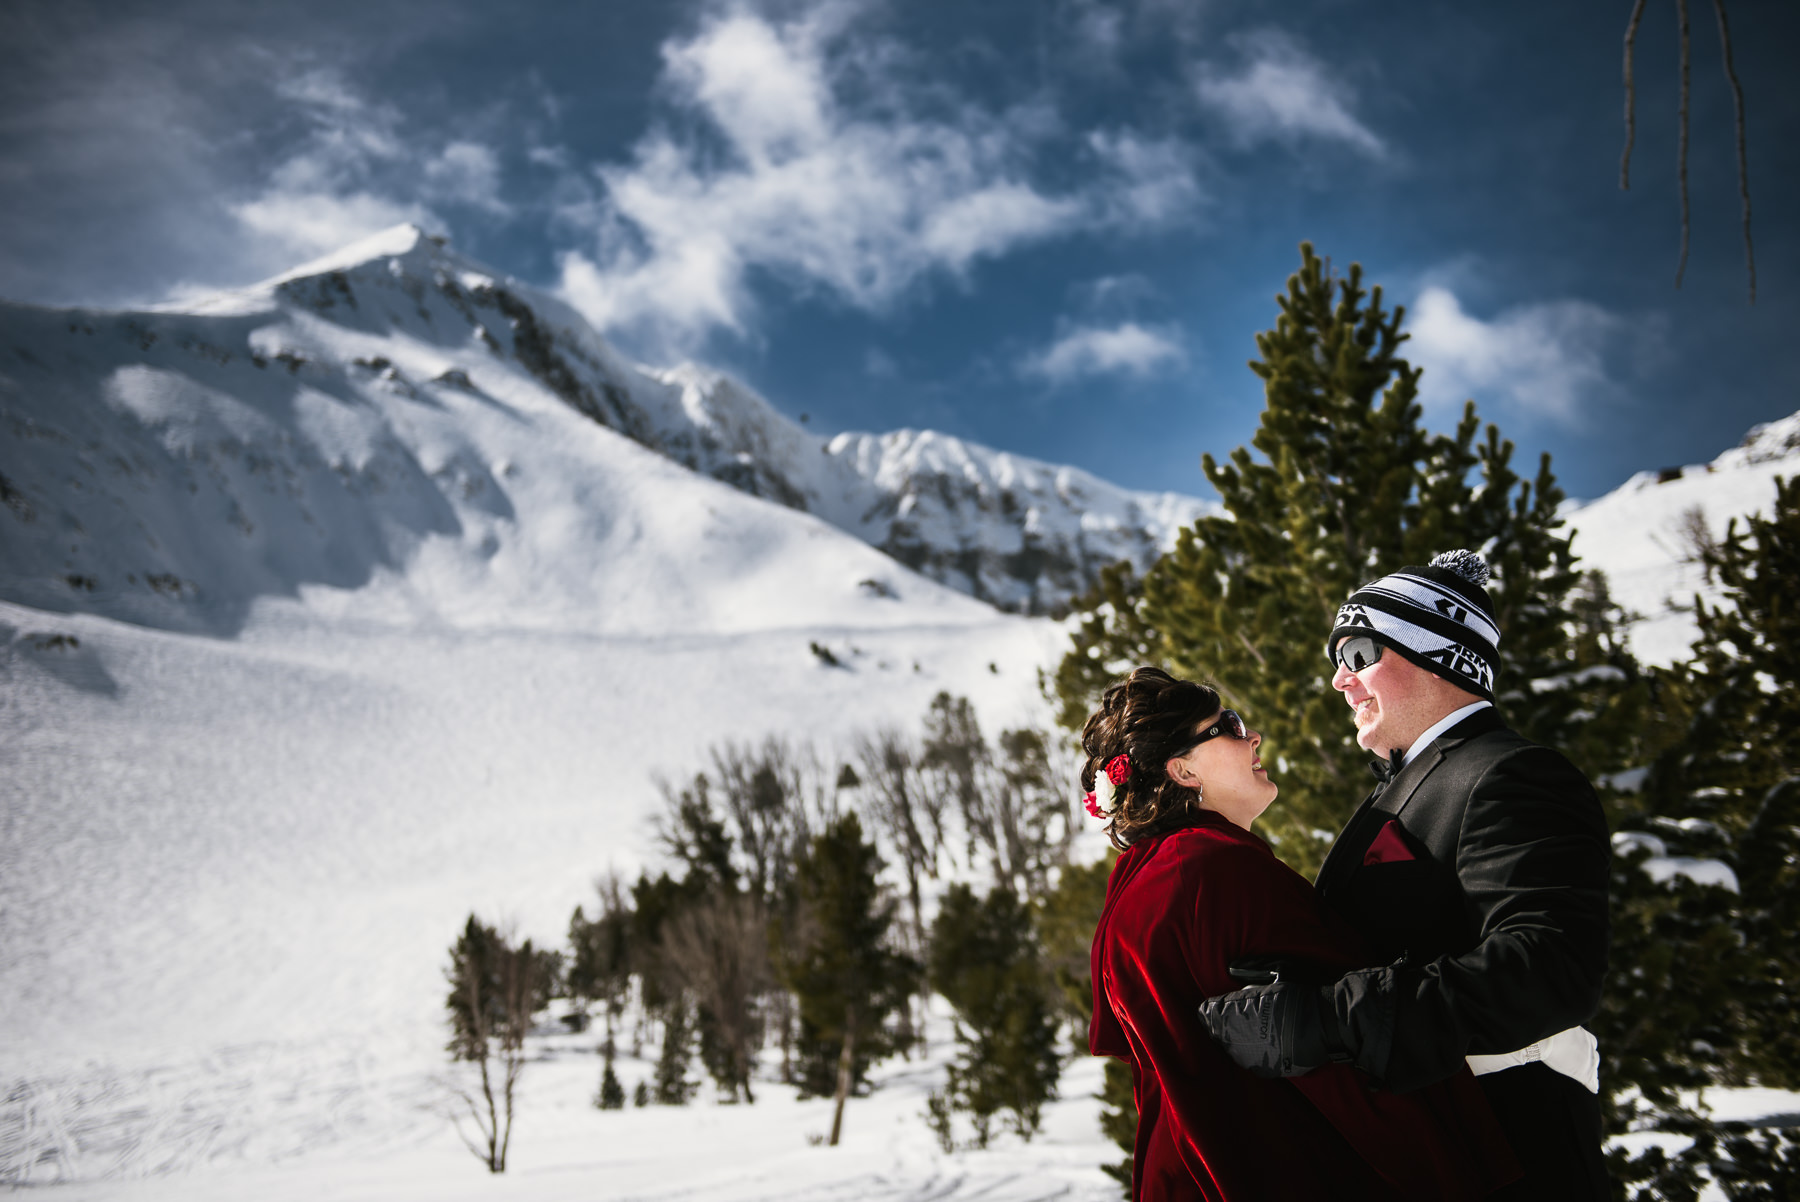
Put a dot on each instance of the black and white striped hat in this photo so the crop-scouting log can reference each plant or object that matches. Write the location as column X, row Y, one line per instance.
column 1438, row 616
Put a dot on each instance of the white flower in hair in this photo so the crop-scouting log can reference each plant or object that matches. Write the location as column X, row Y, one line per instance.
column 1103, row 791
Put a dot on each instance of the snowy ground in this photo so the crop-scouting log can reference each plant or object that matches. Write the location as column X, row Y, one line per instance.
column 232, row 868
column 1638, row 533
column 565, row 1149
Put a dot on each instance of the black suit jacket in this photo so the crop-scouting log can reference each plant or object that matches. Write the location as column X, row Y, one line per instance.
column 1500, row 914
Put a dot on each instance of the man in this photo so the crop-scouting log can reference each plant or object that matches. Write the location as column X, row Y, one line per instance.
column 1477, row 872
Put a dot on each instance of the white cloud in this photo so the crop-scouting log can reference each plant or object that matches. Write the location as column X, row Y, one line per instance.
column 355, row 173
column 1544, row 360
column 470, row 173
column 1153, row 180
column 777, row 170
column 1127, row 349
column 307, row 223
column 1283, row 94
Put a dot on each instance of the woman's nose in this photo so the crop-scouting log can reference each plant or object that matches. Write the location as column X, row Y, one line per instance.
column 1255, row 737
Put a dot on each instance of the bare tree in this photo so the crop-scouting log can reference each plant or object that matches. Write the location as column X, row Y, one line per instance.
column 765, row 794
column 495, row 988
column 1031, row 809
column 719, row 949
column 600, row 951
column 957, row 764
column 902, row 805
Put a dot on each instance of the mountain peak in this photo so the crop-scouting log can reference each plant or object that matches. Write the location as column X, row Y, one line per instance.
column 399, row 241
column 342, row 361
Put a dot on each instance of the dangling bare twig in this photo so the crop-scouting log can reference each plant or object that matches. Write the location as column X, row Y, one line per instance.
column 1637, row 14
column 1743, row 159
column 1681, row 151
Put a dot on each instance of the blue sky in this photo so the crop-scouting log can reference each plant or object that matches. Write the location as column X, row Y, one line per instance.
column 1053, row 226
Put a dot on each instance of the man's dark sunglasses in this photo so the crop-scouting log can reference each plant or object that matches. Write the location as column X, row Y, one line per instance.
column 1358, row 653
column 1228, row 724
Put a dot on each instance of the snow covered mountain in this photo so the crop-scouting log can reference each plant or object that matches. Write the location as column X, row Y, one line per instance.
column 476, row 606
column 1024, row 535
column 486, row 581
column 332, row 426
column 1640, row 533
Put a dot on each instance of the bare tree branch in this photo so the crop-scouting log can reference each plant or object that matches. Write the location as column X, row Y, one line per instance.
column 1637, row 14
column 1681, row 13
column 1743, row 158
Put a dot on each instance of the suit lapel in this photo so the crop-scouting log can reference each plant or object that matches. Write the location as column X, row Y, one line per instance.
column 1340, row 845
column 1407, row 781
column 1343, row 857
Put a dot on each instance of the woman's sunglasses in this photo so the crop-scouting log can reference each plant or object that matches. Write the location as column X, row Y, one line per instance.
column 1353, row 655
column 1228, row 724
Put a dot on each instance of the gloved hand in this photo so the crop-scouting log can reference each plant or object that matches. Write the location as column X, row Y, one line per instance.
column 1272, row 1030
column 1288, row 1028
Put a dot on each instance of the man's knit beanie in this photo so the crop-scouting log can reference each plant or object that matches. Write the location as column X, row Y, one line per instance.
column 1438, row 616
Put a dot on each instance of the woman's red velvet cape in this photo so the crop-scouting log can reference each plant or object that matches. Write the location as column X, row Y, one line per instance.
column 1180, row 907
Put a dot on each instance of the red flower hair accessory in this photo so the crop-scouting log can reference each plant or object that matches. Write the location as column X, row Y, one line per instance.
column 1106, row 785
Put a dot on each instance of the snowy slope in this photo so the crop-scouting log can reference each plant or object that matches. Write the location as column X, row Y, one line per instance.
column 386, row 404
column 325, row 619
column 1024, row 535
column 353, row 439
column 1636, row 533
column 232, row 867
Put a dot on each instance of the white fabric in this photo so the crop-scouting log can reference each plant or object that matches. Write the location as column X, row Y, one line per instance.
column 1574, row 1053
column 1433, row 597
column 1443, row 724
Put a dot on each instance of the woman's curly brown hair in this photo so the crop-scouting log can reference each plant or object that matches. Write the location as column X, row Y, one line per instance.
column 1151, row 717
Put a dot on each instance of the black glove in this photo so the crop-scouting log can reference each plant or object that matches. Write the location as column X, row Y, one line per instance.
column 1288, row 1028
column 1271, row 1030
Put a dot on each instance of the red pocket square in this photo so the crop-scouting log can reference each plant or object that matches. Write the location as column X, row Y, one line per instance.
column 1389, row 846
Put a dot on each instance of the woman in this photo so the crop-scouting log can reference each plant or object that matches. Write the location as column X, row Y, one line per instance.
column 1194, row 891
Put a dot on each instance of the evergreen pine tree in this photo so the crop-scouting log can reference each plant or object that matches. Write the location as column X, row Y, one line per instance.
column 1706, row 964
column 985, row 961
column 1065, row 918
column 1349, row 486
column 612, row 1094
column 837, row 961
column 672, row 1085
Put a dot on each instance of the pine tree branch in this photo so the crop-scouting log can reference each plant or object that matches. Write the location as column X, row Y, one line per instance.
column 1254, row 653
column 1637, row 14
column 1743, row 160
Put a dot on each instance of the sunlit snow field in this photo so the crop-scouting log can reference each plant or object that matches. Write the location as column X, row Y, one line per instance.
column 564, row 1150
column 233, row 868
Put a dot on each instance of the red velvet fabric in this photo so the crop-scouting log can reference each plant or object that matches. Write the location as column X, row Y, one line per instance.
column 1179, row 908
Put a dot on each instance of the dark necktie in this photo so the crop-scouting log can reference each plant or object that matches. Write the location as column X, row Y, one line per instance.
column 1386, row 770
